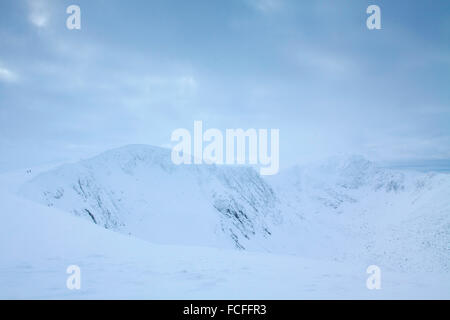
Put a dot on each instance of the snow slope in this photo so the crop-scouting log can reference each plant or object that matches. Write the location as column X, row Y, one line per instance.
column 141, row 227
column 344, row 208
column 137, row 190
column 38, row 243
column 397, row 218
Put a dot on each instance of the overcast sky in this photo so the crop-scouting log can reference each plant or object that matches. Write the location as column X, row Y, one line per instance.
column 137, row 70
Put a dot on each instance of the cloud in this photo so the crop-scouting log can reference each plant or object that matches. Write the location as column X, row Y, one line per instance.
column 39, row 13
column 7, row 75
column 318, row 62
column 265, row 6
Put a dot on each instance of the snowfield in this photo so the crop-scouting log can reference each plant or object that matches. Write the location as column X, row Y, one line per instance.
column 140, row 227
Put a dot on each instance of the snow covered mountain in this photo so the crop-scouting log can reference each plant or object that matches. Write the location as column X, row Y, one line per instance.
column 320, row 226
column 400, row 219
column 345, row 208
column 38, row 243
column 138, row 190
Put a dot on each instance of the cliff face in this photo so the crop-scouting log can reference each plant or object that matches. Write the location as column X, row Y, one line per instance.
column 138, row 190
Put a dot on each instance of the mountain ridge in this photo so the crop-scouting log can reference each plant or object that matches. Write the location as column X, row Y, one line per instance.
column 343, row 207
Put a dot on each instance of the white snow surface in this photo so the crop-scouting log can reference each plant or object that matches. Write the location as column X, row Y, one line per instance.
column 140, row 227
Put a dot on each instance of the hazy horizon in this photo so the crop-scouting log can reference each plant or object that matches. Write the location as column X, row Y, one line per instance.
column 134, row 73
